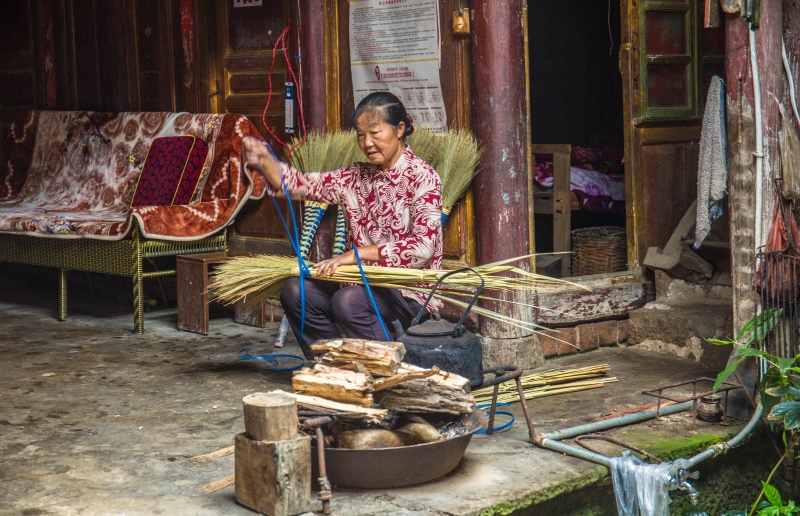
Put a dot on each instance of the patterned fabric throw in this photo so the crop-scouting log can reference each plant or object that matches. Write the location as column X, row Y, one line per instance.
column 162, row 170
column 192, row 173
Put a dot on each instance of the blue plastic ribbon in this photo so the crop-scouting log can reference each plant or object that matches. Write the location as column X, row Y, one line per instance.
column 504, row 426
column 272, row 360
column 294, row 242
column 369, row 293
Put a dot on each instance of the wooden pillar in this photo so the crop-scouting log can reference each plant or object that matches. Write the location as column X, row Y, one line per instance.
column 500, row 122
column 312, row 75
column 740, row 113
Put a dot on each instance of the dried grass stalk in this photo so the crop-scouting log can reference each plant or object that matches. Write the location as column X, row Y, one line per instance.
column 220, row 484
column 224, row 452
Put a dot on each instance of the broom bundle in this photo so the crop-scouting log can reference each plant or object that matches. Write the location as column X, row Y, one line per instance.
column 548, row 383
column 457, row 163
column 263, row 276
column 426, row 144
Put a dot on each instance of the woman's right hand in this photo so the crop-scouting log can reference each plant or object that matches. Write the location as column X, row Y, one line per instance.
column 255, row 153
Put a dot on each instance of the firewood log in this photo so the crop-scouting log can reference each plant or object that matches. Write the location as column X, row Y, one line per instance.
column 334, row 384
column 380, row 358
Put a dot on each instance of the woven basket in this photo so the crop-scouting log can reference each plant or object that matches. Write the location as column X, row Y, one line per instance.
column 599, row 250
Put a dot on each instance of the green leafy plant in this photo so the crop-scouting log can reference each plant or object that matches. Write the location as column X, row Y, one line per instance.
column 780, row 396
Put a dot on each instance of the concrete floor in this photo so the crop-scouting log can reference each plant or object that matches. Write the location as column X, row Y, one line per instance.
column 95, row 419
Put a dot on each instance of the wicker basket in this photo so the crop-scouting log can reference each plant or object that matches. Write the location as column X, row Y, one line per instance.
column 599, row 250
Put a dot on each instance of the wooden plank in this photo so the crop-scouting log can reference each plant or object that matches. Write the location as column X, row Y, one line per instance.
column 562, row 213
column 335, row 408
column 274, row 478
column 578, row 306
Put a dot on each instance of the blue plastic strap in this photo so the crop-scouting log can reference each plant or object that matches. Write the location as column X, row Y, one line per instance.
column 444, row 218
column 502, row 427
column 294, row 242
column 272, row 360
column 369, row 293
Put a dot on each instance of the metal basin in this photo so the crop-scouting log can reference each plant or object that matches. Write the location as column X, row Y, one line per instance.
column 396, row 467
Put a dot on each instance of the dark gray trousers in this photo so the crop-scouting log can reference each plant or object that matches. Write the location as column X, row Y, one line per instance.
column 328, row 305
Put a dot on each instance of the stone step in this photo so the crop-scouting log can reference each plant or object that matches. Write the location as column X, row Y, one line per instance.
column 680, row 327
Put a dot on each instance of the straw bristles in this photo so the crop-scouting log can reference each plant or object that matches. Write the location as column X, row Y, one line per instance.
column 549, row 383
column 322, row 151
column 456, row 164
column 426, row 144
column 224, row 452
column 220, row 484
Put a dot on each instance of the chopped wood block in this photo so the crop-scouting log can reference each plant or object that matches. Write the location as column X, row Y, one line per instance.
column 270, row 416
column 334, row 384
column 380, row 358
column 391, row 381
column 335, row 408
column 441, row 392
column 274, row 478
column 444, row 378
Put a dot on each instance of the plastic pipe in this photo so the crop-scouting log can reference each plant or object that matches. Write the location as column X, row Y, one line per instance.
column 759, row 153
column 738, row 439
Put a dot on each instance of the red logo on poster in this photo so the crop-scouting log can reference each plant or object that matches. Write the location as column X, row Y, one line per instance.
column 378, row 72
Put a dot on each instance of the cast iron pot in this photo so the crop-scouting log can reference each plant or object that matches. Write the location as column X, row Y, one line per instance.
column 396, row 467
column 436, row 342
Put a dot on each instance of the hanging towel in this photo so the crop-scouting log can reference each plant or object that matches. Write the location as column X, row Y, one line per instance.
column 712, row 170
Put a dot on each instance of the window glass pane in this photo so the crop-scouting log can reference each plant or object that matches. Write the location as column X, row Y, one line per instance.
column 667, row 85
column 666, row 32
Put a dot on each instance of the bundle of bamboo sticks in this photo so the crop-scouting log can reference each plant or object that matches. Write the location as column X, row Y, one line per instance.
column 549, row 383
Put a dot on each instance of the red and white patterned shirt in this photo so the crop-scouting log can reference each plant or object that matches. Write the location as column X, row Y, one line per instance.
column 400, row 210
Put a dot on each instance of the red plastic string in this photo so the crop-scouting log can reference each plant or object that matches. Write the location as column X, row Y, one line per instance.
column 282, row 42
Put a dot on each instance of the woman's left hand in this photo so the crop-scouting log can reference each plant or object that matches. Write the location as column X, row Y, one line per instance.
column 327, row 267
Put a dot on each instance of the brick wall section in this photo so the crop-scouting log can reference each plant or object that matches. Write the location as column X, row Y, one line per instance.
column 584, row 337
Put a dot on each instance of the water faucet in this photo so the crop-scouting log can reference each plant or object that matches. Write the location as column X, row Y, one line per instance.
column 680, row 482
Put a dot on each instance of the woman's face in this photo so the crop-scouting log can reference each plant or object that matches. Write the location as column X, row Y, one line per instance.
column 381, row 143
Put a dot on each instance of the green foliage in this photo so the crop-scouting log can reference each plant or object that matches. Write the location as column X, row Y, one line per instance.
column 780, row 397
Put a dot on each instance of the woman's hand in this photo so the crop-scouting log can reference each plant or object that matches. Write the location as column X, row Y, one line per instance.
column 256, row 153
column 326, row 268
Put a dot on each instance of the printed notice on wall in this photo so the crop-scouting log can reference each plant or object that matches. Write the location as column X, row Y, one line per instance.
column 395, row 46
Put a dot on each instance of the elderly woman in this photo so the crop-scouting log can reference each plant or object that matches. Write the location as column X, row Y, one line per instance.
column 393, row 211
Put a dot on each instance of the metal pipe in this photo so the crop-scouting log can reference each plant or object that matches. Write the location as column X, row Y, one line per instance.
column 628, row 419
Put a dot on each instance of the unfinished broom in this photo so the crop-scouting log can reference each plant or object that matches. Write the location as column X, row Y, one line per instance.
column 263, row 276
column 426, row 144
column 456, row 164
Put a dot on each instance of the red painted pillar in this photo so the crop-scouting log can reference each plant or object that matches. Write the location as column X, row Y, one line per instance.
column 312, row 78
column 500, row 121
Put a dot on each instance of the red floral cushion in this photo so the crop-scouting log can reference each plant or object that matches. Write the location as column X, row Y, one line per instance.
column 162, row 170
column 191, row 174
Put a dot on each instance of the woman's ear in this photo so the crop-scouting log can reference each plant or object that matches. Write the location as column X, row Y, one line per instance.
column 401, row 129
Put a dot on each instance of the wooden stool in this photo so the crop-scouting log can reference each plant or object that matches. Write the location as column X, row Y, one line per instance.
column 193, row 282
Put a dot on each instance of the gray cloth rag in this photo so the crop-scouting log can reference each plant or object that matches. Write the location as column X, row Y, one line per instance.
column 712, row 170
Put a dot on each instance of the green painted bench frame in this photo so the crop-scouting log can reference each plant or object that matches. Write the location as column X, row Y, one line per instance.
column 117, row 257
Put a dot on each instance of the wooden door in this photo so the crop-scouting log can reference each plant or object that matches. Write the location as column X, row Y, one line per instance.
column 247, row 32
column 667, row 61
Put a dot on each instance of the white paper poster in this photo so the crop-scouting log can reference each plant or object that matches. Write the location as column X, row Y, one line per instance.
column 395, row 46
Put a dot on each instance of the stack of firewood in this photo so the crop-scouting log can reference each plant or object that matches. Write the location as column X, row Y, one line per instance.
column 368, row 378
